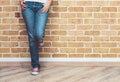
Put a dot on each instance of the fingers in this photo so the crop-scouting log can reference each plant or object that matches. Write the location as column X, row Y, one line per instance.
column 44, row 9
column 23, row 5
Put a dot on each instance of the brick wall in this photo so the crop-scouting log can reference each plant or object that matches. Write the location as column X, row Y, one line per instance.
column 75, row 29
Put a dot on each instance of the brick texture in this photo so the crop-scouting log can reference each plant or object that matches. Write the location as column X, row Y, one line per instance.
column 75, row 29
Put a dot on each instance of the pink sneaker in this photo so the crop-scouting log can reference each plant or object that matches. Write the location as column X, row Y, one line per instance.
column 41, row 43
column 35, row 71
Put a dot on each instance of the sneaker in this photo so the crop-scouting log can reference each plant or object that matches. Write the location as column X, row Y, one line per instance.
column 35, row 71
column 41, row 43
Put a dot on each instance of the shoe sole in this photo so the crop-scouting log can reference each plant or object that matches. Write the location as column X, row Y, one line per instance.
column 35, row 73
column 41, row 44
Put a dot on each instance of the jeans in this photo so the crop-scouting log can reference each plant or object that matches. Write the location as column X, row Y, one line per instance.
column 35, row 23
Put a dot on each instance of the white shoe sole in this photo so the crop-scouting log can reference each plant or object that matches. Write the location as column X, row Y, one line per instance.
column 35, row 73
column 41, row 44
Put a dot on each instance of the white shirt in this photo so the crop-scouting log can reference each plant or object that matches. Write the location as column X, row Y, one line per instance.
column 42, row 1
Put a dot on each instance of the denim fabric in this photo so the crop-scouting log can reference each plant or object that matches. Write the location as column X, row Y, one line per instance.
column 35, row 23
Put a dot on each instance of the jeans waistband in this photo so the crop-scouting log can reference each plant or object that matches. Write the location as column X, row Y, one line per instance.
column 33, row 2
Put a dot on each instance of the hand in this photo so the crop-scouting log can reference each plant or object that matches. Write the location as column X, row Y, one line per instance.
column 23, row 5
column 46, row 6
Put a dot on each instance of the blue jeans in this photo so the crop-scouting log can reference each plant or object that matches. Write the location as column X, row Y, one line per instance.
column 35, row 23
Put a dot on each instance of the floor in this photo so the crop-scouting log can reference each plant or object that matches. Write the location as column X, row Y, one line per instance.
column 61, row 74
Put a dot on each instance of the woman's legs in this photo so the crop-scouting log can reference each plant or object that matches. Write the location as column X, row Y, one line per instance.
column 35, row 23
column 29, row 17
